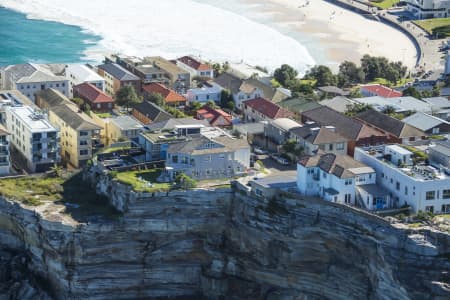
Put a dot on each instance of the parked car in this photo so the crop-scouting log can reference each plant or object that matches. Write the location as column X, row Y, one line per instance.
column 260, row 151
column 280, row 160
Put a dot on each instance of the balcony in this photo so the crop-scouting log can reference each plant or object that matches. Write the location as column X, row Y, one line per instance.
column 316, row 177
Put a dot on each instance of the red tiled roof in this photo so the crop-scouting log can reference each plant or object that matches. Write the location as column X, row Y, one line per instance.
column 381, row 90
column 268, row 108
column 92, row 93
column 213, row 114
column 168, row 94
column 195, row 64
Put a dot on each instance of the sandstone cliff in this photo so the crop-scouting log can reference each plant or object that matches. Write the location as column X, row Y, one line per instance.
column 220, row 245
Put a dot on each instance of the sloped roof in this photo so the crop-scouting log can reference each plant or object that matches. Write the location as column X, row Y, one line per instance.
column 299, row 105
column 338, row 103
column 171, row 123
column 194, row 143
column 212, row 114
column 285, row 124
column 339, row 165
column 169, row 95
column 268, row 108
column 319, row 136
column 423, row 121
column 118, row 72
column 388, row 124
column 195, row 64
column 345, row 126
column 92, row 93
column 333, row 90
column 229, row 82
column 381, row 90
column 73, row 118
column 268, row 91
column 152, row 111
column 52, row 97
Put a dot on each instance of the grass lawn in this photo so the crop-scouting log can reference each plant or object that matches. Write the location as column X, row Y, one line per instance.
column 114, row 149
column 384, row 4
column 103, row 115
column 132, row 178
column 80, row 200
column 430, row 24
column 386, row 82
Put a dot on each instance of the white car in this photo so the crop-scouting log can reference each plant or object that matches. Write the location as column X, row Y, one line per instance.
column 259, row 151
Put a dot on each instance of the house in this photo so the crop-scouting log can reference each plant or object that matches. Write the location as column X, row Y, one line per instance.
column 428, row 123
column 397, row 131
column 209, row 91
column 123, row 128
column 117, row 77
column 356, row 132
column 299, row 106
column 171, row 98
column 147, row 112
column 79, row 73
column 195, row 67
column 399, row 104
column 439, row 154
column 179, row 79
column 240, row 90
column 253, row 132
column 332, row 91
column 92, row 95
column 422, row 187
column 146, row 71
column 426, row 9
column 278, row 131
column 371, row 90
column 215, row 116
column 30, row 78
column 80, row 135
column 34, row 141
column 204, row 157
column 260, row 109
column 333, row 177
column 440, row 107
column 156, row 139
column 268, row 91
column 313, row 137
column 5, row 162
column 339, row 103
column 270, row 186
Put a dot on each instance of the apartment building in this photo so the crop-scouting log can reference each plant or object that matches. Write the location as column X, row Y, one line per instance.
column 34, row 140
column 79, row 74
column 426, row 9
column 5, row 162
column 117, row 77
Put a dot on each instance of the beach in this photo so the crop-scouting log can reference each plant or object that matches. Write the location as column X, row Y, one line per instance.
column 343, row 34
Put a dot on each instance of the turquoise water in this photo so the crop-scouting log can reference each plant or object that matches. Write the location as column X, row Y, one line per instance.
column 24, row 40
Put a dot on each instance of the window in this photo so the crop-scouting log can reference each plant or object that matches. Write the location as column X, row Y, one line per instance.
column 84, row 152
column 84, row 133
column 446, row 194
column 429, row 209
column 348, row 182
column 222, row 156
column 397, row 186
column 324, row 175
column 83, row 143
column 340, row 146
column 331, row 147
column 430, row 195
column 175, row 159
column 406, row 190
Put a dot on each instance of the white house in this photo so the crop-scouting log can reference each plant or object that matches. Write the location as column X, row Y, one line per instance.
column 33, row 137
column 333, row 177
column 423, row 187
column 426, row 9
column 195, row 67
column 79, row 73
column 210, row 91
column 30, row 78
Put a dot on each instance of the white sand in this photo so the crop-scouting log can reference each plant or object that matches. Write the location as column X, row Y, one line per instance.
column 345, row 34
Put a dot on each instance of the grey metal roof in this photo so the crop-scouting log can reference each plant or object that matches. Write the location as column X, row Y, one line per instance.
column 442, row 147
column 374, row 190
column 152, row 111
column 250, row 128
column 423, row 121
column 127, row 123
column 338, row 103
column 284, row 180
column 118, row 72
column 438, row 102
column 74, row 119
column 171, row 123
column 229, row 82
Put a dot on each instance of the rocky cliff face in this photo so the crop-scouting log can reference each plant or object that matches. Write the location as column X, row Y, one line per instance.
column 220, row 245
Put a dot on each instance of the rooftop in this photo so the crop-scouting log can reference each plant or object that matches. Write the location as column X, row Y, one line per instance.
column 268, row 108
column 400, row 104
column 398, row 149
column 126, row 123
column 424, row 121
column 285, row 124
column 164, row 64
column 338, row 103
column 83, row 73
column 284, row 180
column 381, row 90
column 194, row 63
column 118, row 72
column 92, row 93
column 168, row 94
column 34, row 120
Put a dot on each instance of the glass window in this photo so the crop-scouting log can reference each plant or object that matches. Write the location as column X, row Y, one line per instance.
column 84, row 152
column 430, row 195
column 446, row 194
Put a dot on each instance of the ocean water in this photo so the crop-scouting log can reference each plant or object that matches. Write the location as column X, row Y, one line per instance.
column 24, row 40
column 215, row 30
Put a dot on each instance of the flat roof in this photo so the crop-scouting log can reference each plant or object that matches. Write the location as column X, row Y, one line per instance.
column 126, row 123
column 25, row 113
column 399, row 149
column 282, row 180
column 84, row 73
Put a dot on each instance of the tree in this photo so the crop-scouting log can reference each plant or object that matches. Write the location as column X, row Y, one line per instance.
column 185, row 182
column 156, row 98
column 350, row 74
column 322, row 75
column 284, row 74
column 78, row 101
column 126, row 96
column 211, row 104
column 389, row 110
column 356, row 108
column 225, row 97
column 292, row 147
column 411, row 91
column 195, row 105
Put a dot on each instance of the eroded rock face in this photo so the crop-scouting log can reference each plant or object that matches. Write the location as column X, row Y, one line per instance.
column 219, row 245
